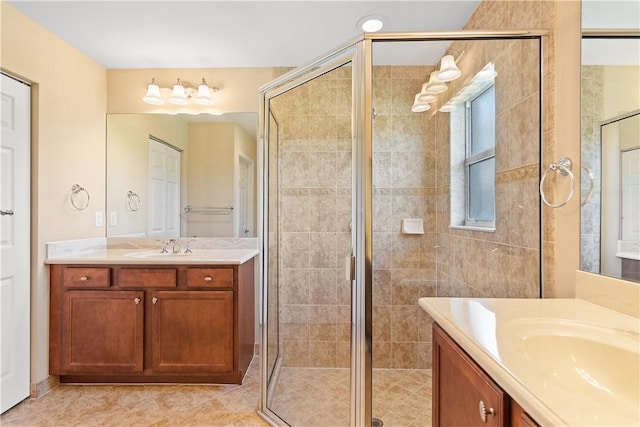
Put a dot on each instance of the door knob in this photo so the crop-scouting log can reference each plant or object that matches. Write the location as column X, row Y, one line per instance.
column 7, row 212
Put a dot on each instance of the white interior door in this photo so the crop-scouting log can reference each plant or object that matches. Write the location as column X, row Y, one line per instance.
column 164, row 190
column 14, row 243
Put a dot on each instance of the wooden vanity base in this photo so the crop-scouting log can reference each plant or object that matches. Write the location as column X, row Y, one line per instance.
column 151, row 323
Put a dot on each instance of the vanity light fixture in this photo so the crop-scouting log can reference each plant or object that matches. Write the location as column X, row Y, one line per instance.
column 481, row 81
column 449, row 71
column 153, row 94
column 434, row 86
column 421, row 103
column 181, row 93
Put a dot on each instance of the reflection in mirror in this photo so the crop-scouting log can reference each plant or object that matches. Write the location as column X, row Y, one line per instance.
column 610, row 225
column 181, row 175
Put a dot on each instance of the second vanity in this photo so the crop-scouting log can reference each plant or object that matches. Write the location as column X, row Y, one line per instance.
column 140, row 315
column 528, row 362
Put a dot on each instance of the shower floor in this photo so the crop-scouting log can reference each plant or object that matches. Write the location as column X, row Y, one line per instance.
column 313, row 397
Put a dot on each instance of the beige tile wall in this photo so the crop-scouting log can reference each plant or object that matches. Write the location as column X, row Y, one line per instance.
column 314, row 191
column 411, row 178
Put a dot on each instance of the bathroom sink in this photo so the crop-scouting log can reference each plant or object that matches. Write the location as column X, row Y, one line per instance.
column 595, row 362
column 157, row 255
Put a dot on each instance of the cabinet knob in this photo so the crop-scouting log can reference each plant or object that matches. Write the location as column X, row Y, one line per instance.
column 484, row 411
column 136, row 300
column 84, row 278
column 208, row 279
column 154, row 300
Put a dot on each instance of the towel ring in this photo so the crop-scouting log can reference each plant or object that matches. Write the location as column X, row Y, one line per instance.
column 75, row 190
column 591, row 185
column 563, row 168
column 133, row 200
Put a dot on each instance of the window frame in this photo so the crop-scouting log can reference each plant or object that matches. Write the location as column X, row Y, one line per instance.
column 472, row 159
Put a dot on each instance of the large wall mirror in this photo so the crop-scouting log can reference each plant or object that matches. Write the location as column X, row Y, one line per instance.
column 610, row 139
column 181, row 175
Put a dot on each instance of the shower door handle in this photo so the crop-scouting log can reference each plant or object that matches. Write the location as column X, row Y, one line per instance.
column 350, row 268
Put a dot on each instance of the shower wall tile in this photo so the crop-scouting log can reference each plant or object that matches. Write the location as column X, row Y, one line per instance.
column 343, row 354
column 381, row 323
column 323, row 250
column 295, row 250
column 382, row 354
column 411, row 355
column 294, row 286
column 323, row 288
column 408, row 170
column 295, row 212
column 294, row 169
column 524, row 132
column 295, row 353
column 323, row 332
column 322, row 170
column 382, row 169
column 382, row 287
column 322, row 354
column 322, row 214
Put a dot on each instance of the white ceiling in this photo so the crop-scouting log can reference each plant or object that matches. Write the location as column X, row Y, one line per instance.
column 210, row 33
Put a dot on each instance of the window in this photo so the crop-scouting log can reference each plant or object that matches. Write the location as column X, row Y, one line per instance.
column 473, row 141
column 480, row 160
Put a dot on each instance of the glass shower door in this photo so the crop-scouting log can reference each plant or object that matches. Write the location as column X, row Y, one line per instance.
column 308, row 181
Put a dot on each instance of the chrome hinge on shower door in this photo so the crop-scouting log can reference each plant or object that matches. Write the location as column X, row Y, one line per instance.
column 350, row 268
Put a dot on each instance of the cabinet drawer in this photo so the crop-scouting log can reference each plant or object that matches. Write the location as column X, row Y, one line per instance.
column 85, row 277
column 147, row 278
column 210, row 277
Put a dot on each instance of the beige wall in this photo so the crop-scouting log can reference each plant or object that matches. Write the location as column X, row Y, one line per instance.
column 69, row 97
column 128, row 165
column 621, row 88
column 211, row 169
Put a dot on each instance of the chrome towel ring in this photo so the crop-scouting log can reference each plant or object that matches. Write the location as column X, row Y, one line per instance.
column 562, row 168
column 133, row 200
column 76, row 200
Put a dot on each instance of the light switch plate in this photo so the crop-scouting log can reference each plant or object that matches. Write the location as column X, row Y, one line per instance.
column 98, row 219
column 113, row 219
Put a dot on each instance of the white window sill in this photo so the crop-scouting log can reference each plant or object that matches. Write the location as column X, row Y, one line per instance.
column 472, row 228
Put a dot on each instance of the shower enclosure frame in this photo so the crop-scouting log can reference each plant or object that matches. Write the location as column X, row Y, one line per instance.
column 358, row 52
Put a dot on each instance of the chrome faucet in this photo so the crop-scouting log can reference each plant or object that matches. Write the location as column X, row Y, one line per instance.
column 188, row 249
column 175, row 246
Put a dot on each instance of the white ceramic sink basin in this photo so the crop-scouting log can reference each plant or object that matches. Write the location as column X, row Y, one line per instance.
column 157, row 255
column 586, row 360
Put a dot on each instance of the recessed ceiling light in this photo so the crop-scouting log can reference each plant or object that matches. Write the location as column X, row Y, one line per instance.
column 370, row 23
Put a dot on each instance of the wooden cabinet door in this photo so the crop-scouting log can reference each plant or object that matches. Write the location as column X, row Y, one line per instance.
column 460, row 388
column 192, row 331
column 102, row 331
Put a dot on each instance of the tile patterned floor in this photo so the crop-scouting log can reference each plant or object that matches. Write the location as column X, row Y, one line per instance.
column 307, row 398
column 320, row 397
column 143, row 405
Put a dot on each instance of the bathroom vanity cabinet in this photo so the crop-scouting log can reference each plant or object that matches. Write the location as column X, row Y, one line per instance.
column 463, row 394
column 143, row 323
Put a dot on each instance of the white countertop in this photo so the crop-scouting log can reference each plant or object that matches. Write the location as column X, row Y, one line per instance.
column 154, row 257
column 533, row 348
